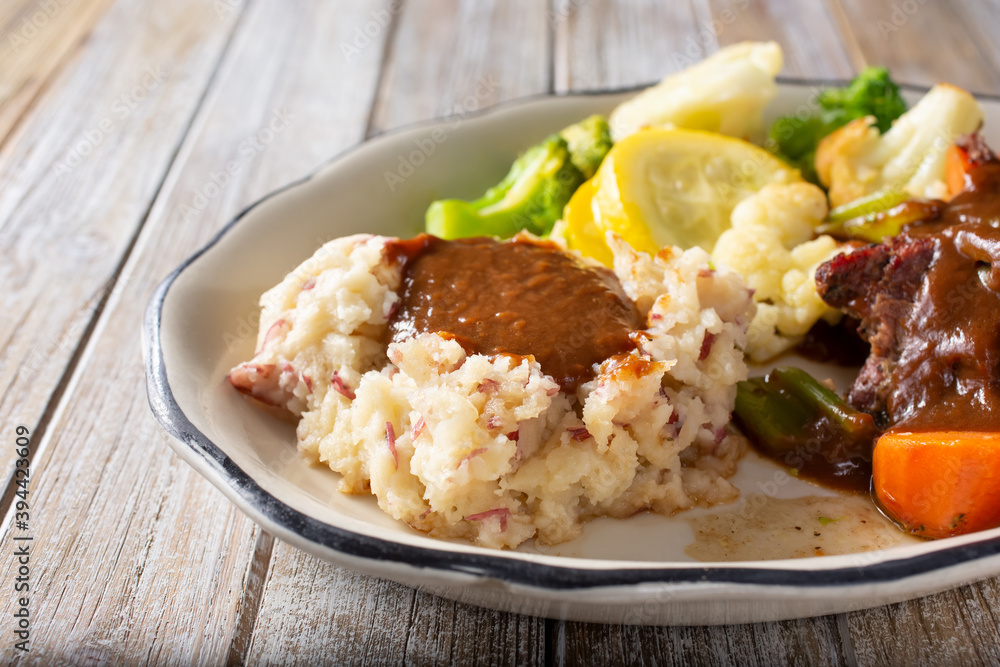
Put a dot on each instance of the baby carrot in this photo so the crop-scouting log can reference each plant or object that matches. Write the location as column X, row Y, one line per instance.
column 957, row 165
column 939, row 484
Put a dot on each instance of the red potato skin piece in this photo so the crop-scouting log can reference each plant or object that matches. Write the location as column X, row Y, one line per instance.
column 502, row 513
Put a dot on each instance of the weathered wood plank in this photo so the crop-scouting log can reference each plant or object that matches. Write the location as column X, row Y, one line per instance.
column 317, row 613
column 607, row 45
column 456, row 56
column 980, row 20
column 958, row 627
column 618, row 44
column 78, row 177
column 765, row 644
column 137, row 558
column 443, row 59
column 141, row 561
column 39, row 38
column 812, row 49
column 926, row 42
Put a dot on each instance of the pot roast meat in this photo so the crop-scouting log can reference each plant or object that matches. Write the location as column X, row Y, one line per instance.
column 877, row 284
column 929, row 305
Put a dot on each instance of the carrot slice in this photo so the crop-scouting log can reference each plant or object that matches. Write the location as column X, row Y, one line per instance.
column 939, row 484
column 957, row 165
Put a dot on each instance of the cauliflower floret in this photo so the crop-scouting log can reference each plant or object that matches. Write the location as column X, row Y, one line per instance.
column 856, row 160
column 724, row 93
column 769, row 245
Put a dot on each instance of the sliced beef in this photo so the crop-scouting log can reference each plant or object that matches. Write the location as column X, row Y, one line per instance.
column 877, row 284
column 929, row 304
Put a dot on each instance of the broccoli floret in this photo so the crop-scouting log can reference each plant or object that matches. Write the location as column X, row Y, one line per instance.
column 534, row 192
column 872, row 93
column 531, row 197
column 795, row 140
column 589, row 141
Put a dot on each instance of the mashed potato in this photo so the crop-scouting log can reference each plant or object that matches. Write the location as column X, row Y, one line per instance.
column 487, row 448
column 770, row 244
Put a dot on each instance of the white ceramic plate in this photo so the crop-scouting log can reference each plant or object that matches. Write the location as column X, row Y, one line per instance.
column 202, row 321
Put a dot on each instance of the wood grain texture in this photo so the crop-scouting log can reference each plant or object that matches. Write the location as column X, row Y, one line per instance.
column 790, row 642
column 316, row 613
column 456, row 56
column 620, row 44
column 810, row 47
column 38, row 39
column 138, row 559
column 926, row 42
column 605, row 44
column 313, row 612
column 78, row 178
column 958, row 627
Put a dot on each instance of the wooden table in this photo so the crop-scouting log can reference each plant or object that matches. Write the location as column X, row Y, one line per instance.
column 116, row 119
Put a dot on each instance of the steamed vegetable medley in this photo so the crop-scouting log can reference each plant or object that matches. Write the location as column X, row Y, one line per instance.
column 860, row 225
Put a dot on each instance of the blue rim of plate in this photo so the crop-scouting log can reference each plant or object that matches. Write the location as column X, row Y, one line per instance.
column 243, row 490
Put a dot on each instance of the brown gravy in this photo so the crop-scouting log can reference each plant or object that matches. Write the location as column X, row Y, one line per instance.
column 829, row 459
column 761, row 527
column 980, row 201
column 948, row 377
column 521, row 297
column 828, row 449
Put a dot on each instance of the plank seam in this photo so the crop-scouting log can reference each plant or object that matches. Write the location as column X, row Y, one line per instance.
column 40, row 433
column 251, row 599
column 554, row 630
column 46, row 83
column 387, row 51
column 552, row 24
column 846, row 641
column 847, row 36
